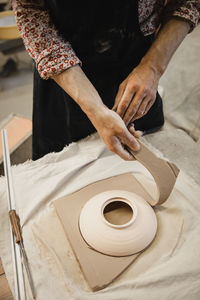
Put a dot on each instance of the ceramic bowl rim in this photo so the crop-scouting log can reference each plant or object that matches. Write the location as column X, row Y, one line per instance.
column 120, row 199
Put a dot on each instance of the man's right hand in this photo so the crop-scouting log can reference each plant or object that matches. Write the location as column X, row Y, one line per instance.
column 115, row 134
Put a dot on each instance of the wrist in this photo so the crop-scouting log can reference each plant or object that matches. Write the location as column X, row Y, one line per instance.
column 158, row 67
column 96, row 113
column 168, row 39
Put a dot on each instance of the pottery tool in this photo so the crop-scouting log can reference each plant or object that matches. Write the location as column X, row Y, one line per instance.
column 15, row 230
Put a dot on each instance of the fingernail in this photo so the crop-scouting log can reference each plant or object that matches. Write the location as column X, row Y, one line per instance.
column 131, row 127
column 130, row 156
column 137, row 146
column 140, row 132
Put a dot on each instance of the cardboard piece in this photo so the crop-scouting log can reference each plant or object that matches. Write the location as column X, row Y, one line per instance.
column 100, row 269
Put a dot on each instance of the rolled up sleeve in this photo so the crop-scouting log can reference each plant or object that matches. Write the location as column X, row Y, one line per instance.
column 51, row 53
column 188, row 10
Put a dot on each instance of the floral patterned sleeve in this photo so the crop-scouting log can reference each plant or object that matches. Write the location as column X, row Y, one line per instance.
column 52, row 54
column 185, row 9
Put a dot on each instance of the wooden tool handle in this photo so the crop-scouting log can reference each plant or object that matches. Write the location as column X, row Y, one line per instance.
column 15, row 223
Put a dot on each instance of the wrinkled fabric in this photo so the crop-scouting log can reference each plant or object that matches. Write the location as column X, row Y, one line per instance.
column 169, row 268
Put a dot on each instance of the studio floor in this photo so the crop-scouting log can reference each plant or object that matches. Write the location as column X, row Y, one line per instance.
column 179, row 140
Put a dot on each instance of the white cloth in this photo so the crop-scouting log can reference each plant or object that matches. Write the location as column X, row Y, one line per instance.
column 173, row 273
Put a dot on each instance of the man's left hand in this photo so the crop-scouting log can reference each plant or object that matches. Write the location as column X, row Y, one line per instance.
column 137, row 93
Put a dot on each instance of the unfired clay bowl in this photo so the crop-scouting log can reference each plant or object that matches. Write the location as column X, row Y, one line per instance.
column 135, row 230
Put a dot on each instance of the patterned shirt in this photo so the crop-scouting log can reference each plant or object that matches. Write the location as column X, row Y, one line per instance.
column 53, row 54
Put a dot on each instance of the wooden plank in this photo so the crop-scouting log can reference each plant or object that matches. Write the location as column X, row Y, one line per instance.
column 5, row 293
column 18, row 129
column 1, row 269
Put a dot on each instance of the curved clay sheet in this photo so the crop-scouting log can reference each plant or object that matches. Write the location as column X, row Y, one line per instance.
column 160, row 169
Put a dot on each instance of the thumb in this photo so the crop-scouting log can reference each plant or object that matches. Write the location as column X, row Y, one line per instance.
column 130, row 141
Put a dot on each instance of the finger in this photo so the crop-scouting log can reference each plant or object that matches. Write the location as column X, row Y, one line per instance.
column 125, row 101
column 136, row 133
column 129, row 140
column 149, row 106
column 146, row 110
column 118, row 96
column 141, row 109
column 133, row 107
column 132, row 125
column 118, row 149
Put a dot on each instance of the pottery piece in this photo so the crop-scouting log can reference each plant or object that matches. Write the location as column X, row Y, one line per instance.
column 100, row 269
column 119, row 239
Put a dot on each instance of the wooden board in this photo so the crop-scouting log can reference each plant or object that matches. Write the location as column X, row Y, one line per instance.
column 18, row 129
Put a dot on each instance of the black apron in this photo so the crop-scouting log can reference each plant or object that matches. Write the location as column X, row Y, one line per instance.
column 108, row 41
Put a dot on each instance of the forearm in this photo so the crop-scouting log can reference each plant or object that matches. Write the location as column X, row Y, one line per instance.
column 76, row 84
column 169, row 37
column 137, row 92
column 109, row 125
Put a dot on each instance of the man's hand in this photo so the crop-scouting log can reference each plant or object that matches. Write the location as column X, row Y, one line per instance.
column 114, row 133
column 137, row 93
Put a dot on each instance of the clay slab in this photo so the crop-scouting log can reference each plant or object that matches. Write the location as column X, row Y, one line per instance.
column 99, row 269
